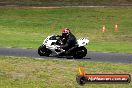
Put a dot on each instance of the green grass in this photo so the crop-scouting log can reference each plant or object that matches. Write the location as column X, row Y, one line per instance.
column 67, row 2
column 111, row 47
column 27, row 27
column 18, row 72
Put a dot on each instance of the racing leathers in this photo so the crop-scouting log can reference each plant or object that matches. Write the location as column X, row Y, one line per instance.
column 69, row 42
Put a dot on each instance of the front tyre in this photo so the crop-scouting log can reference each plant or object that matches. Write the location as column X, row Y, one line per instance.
column 80, row 52
column 43, row 51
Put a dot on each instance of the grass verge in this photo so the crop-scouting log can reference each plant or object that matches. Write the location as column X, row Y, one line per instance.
column 65, row 2
column 18, row 72
column 27, row 27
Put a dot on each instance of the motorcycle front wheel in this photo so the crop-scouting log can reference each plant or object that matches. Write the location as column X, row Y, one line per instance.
column 43, row 51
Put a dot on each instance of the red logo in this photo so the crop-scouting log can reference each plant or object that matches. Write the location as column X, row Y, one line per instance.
column 83, row 78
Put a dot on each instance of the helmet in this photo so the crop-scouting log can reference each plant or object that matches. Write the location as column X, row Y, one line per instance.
column 65, row 32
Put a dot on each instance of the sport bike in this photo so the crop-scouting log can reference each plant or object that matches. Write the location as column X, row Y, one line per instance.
column 51, row 46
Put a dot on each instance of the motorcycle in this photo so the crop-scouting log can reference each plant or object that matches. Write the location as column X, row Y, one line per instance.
column 51, row 46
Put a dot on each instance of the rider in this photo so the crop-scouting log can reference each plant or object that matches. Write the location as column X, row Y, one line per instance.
column 69, row 40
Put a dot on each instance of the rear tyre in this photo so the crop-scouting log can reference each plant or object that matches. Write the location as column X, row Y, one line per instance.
column 80, row 52
column 43, row 51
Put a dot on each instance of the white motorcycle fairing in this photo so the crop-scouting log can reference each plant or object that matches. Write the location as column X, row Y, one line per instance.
column 50, row 44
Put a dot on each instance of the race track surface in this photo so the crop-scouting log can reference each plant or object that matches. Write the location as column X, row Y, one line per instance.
column 91, row 56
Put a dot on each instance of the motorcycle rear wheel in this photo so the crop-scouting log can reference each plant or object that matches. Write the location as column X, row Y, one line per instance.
column 80, row 52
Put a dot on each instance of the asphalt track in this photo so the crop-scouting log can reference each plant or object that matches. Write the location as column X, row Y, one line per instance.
column 91, row 56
